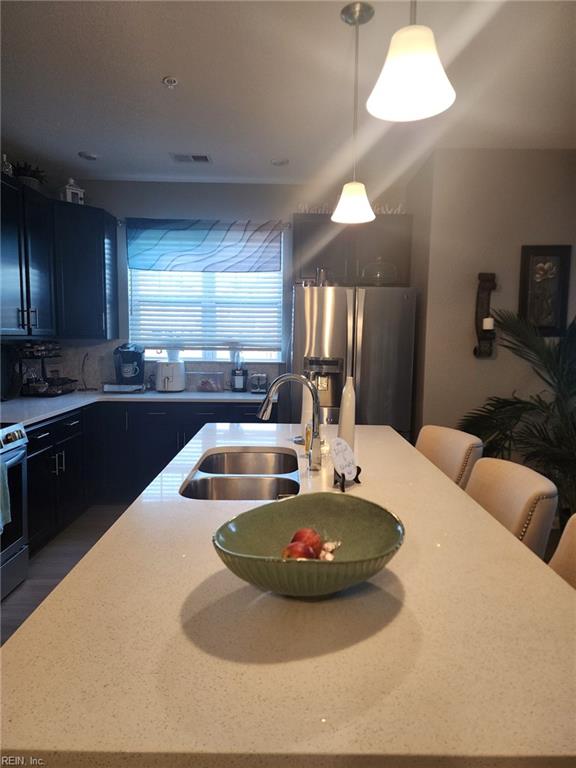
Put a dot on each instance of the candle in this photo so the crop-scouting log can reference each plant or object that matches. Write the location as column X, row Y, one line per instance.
column 488, row 324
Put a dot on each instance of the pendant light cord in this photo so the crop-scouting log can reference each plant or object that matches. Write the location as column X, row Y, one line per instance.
column 412, row 11
column 355, row 119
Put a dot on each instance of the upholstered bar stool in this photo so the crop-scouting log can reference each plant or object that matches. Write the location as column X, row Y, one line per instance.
column 563, row 561
column 452, row 451
column 522, row 500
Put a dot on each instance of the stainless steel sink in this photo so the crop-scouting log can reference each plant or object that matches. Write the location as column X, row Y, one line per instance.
column 228, row 487
column 246, row 472
column 250, row 460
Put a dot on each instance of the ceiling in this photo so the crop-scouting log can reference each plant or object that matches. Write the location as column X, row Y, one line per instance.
column 265, row 81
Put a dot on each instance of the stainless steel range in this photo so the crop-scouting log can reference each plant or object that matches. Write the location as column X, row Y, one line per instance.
column 14, row 514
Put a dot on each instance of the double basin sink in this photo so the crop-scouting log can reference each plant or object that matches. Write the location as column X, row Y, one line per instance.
column 243, row 472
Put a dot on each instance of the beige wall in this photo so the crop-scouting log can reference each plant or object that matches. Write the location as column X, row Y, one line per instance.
column 486, row 204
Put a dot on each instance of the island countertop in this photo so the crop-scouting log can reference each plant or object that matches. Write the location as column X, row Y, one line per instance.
column 150, row 653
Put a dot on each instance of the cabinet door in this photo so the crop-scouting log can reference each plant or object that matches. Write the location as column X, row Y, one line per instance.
column 157, row 438
column 42, row 486
column 71, row 498
column 12, row 285
column 110, row 457
column 81, row 271
column 39, row 249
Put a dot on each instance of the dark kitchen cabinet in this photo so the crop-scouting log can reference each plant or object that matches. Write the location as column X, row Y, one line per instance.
column 110, row 455
column 351, row 254
column 86, row 278
column 39, row 257
column 12, row 283
column 56, row 477
column 42, row 493
column 28, row 305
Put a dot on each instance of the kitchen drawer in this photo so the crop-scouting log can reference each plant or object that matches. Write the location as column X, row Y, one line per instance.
column 70, row 426
column 40, row 438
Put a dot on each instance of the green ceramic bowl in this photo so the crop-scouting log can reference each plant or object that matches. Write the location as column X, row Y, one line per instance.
column 250, row 544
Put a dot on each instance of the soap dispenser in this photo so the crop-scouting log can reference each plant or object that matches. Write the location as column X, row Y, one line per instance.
column 347, row 419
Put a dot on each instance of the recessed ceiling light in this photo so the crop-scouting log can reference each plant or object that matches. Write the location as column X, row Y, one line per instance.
column 279, row 163
column 88, row 155
column 170, row 81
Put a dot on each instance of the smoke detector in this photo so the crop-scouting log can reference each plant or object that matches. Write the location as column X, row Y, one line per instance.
column 180, row 157
column 170, row 81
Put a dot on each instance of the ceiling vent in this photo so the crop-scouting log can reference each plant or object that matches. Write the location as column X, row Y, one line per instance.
column 182, row 158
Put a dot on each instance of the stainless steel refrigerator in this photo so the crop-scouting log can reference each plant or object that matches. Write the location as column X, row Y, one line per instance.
column 367, row 333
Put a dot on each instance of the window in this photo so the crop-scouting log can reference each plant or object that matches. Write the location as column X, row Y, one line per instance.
column 206, row 312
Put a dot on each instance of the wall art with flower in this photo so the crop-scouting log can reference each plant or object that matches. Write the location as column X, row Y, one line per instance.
column 544, row 284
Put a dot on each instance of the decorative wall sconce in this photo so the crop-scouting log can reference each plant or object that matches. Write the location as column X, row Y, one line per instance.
column 484, row 322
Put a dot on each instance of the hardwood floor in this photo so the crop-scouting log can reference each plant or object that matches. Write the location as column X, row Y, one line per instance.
column 49, row 566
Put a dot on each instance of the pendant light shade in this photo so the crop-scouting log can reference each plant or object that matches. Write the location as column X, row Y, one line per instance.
column 413, row 84
column 353, row 206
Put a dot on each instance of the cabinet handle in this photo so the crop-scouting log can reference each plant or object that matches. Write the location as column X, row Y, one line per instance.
column 205, row 413
column 55, row 470
column 63, row 467
column 34, row 311
column 177, row 441
column 126, row 421
column 72, row 423
column 104, row 322
column 155, row 413
column 39, row 437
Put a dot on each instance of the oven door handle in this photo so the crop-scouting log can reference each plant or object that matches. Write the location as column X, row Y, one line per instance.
column 16, row 459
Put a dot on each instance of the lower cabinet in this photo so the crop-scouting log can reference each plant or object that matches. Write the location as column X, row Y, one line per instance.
column 107, row 453
column 56, row 477
column 129, row 444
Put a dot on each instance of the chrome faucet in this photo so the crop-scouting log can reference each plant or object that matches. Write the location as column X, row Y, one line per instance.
column 314, row 454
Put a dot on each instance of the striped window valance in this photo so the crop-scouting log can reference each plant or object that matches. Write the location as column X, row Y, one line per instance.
column 201, row 245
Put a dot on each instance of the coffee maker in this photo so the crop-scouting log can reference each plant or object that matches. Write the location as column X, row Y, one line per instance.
column 129, row 364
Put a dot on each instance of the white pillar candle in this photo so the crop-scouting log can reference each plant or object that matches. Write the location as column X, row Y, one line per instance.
column 488, row 324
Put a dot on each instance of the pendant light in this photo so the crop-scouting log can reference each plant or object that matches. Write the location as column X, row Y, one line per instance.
column 413, row 84
column 353, row 206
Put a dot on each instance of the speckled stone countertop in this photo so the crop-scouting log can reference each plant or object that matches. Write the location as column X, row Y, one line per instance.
column 28, row 410
column 149, row 653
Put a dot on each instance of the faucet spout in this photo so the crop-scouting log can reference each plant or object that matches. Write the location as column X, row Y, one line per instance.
column 314, row 455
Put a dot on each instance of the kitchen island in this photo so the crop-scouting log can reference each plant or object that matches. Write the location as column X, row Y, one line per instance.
column 149, row 653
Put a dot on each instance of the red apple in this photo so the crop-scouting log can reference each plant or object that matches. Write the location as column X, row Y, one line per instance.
column 297, row 549
column 311, row 537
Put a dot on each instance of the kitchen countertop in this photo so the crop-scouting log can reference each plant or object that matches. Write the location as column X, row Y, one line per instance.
column 28, row 410
column 150, row 653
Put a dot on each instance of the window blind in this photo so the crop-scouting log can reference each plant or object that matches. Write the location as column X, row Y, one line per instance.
column 199, row 245
column 206, row 310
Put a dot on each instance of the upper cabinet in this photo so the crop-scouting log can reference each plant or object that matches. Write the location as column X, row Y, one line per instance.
column 27, row 293
column 39, row 250
column 86, row 273
column 368, row 254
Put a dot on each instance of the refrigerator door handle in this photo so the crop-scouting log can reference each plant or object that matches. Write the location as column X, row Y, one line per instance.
column 360, row 302
column 350, row 331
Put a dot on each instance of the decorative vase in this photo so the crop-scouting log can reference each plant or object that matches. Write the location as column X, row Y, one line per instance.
column 347, row 419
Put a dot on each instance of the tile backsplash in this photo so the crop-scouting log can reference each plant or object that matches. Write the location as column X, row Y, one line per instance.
column 93, row 364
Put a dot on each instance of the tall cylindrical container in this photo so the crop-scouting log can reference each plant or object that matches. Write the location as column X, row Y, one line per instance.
column 347, row 420
column 306, row 414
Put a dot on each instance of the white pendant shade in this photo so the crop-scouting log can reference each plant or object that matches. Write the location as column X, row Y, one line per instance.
column 353, row 206
column 412, row 84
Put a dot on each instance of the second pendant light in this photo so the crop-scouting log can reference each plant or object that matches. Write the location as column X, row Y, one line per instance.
column 353, row 206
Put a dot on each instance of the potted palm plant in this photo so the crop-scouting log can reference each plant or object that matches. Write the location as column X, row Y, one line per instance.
column 539, row 430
